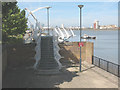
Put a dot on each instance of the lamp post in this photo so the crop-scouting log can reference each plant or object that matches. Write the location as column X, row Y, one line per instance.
column 48, row 19
column 80, row 6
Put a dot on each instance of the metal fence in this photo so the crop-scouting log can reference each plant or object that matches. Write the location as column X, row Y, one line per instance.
column 107, row 65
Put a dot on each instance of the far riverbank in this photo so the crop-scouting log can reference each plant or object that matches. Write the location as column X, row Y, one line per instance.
column 88, row 29
column 96, row 29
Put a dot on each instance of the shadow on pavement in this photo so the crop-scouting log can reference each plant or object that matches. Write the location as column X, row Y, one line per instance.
column 20, row 76
column 26, row 78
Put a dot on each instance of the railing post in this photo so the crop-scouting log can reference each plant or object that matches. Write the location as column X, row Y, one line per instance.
column 118, row 70
column 92, row 59
column 107, row 66
column 99, row 62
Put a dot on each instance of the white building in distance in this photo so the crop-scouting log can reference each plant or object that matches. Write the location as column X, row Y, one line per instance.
column 96, row 24
column 62, row 25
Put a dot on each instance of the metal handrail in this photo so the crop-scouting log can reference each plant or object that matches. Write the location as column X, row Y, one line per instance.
column 106, row 60
column 56, row 49
column 108, row 68
column 38, row 50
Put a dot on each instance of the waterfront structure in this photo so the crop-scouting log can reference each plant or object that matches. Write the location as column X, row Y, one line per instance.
column 47, row 49
column 75, row 28
column 62, row 25
column 63, row 36
column 108, row 27
column 96, row 25
column 91, row 27
column 46, row 28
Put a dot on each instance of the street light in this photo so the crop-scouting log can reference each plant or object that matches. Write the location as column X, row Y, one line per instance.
column 80, row 6
column 48, row 19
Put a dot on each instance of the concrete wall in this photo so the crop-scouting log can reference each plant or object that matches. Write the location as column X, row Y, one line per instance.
column 17, row 55
column 71, row 51
column 0, row 66
column 89, row 51
column 20, row 54
column 4, row 59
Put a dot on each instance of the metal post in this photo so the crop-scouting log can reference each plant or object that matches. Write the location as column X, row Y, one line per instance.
column 99, row 62
column 118, row 70
column 80, row 6
column 48, row 20
column 92, row 59
column 107, row 66
column 80, row 39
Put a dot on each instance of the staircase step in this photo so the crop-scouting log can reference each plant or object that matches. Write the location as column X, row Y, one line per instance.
column 47, row 63
column 47, row 68
column 47, row 51
column 47, row 58
column 48, row 72
column 54, row 62
column 47, row 55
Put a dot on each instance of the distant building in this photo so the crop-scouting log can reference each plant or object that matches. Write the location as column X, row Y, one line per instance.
column 108, row 27
column 111, row 26
column 103, row 27
column 46, row 28
column 83, row 27
column 62, row 25
column 91, row 27
column 96, row 25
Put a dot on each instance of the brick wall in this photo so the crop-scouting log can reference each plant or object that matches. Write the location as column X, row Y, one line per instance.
column 71, row 51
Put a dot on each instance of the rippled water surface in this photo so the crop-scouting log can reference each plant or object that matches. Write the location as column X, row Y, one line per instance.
column 105, row 45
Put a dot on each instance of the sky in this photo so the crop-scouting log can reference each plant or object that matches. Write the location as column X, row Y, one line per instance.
column 67, row 13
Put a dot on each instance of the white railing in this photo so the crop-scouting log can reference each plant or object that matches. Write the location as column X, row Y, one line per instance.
column 58, row 37
column 37, row 38
column 36, row 35
column 63, row 35
column 56, row 48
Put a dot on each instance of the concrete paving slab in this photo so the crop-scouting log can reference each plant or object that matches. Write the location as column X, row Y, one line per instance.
column 90, row 77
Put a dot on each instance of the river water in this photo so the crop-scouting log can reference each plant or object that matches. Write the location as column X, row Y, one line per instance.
column 105, row 45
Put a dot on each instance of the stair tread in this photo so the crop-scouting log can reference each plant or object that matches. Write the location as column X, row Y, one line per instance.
column 47, row 61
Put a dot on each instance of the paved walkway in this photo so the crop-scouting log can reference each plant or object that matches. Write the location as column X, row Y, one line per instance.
column 90, row 77
column 93, row 77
